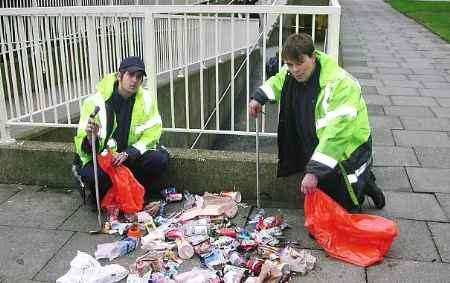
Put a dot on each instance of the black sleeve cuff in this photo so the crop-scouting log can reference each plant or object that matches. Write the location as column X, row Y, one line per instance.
column 318, row 169
column 260, row 96
column 133, row 153
column 86, row 145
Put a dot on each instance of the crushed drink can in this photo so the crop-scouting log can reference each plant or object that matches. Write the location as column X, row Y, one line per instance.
column 167, row 191
column 190, row 230
column 230, row 232
column 248, row 245
column 174, row 197
column 174, row 234
column 223, row 241
column 254, row 265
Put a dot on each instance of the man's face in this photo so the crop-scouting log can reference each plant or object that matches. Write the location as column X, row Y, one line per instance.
column 130, row 82
column 302, row 68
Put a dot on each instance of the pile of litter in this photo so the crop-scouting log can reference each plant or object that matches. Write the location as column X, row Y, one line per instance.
column 201, row 228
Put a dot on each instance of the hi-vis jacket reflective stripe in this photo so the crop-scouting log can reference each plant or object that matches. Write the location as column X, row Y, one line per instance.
column 145, row 126
column 341, row 119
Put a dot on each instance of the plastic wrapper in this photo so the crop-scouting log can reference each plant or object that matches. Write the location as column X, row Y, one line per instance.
column 197, row 275
column 85, row 269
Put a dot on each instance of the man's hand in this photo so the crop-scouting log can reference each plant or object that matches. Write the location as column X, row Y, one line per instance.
column 119, row 158
column 254, row 107
column 91, row 127
column 309, row 183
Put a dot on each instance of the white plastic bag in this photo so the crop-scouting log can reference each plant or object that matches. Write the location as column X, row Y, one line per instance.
column 85, row 269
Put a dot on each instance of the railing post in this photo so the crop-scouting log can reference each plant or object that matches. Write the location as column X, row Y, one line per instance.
column 4, row 131
column 150, row 52
column 93, row 57
column 333, row 30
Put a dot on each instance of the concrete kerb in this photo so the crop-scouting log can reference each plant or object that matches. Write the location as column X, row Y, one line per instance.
column 195, row 170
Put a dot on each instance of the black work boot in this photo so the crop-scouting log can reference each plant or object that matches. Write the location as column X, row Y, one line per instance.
column 374, row 192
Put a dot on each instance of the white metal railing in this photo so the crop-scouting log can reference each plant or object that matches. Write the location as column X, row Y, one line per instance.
column 61, row 3
column 50, row 58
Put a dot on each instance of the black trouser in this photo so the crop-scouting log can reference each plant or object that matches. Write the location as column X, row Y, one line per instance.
column 334, row 186
column 148, row 168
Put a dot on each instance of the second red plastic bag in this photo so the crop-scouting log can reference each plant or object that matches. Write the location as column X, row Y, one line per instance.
column 125, row 192
column 361, row 239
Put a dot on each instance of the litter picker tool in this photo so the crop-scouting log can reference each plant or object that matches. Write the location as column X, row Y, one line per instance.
column 258, row 204
column 94, row 161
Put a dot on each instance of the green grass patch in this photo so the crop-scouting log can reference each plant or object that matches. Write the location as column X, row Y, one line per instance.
column 434, row 15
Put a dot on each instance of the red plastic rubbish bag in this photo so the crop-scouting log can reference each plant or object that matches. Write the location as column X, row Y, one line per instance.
column 125, row 192
column 360, row 239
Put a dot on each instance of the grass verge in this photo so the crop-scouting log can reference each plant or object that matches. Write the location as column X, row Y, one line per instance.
column 435, row 15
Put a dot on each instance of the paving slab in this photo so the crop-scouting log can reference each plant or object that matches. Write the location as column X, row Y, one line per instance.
column 359, row 69
column 441, row 236
column 394, row 156
column 392, row 270
column 295, row 219
column 441, row 112
column 434, row 92
column 377, row 99
column 412, row 206
column 364, row 82
column 385, row 63
column 385, row 122
column 38, row 208
column 413, row 101
column 392, row 179
column 402, row 71
column 413, row 242
column 329, row 269
column 375, row 110
column 426, row 124
column 369, row 90
column 444, row 102
column 429, row 179
column 427, row 78
column 362, row 75
column 444, row 201
column 438, row 85
column 416, row 65
column 25, row 251
column 405, row 91
column 84, row 219
column 411, row 111
column 382, row 137
column 421, row 138
column 350, row 62
column 392, row 77
column 7, row 191
column 433, row 156
column 83, row 242
column 407, row 84
column 18, row 280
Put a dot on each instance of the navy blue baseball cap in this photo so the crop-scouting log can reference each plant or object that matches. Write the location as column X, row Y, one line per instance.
column 132, row 64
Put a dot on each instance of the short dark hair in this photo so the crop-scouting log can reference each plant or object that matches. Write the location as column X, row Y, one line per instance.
column 296, row 45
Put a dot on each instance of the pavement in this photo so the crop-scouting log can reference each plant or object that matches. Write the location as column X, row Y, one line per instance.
column 404, row 70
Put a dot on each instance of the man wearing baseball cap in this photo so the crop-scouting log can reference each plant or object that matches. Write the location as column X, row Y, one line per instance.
column 128, row 122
